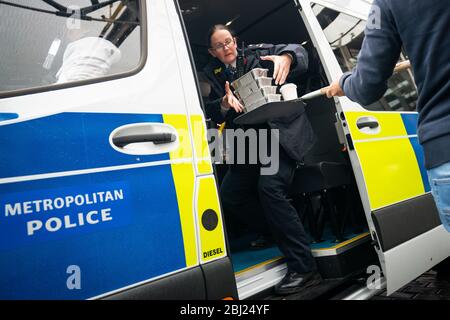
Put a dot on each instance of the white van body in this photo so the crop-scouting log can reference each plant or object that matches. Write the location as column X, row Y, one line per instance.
column 83, row 216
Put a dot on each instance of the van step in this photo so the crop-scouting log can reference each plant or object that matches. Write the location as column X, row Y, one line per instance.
column 312, row 293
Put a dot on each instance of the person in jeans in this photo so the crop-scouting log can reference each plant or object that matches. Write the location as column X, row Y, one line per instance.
column 422, row 28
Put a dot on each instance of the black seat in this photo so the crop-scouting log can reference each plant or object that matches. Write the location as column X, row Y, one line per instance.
column 321, row 176
column 325, row 176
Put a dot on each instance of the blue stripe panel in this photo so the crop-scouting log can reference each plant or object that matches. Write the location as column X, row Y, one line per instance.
column 143, row 239
column 65, row 142
column 421, row 162
column 8, row 116
column 410, row 122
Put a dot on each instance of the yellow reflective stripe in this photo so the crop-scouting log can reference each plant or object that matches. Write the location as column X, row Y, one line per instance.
column 212, row 242
column 343, row 244
column 261, row 264
column 179, row 122
column 388, row 161
column 391, row 125
column 201, row 147
column 390, row 170
column 184, row 181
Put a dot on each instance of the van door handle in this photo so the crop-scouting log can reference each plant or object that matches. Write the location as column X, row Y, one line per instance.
column 372, row 124
column 156, row 138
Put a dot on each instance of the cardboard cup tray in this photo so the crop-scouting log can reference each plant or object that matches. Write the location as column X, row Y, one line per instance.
column 249, row 77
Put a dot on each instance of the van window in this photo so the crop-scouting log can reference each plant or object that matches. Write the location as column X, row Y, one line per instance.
column 44, row 43
column 345, row 35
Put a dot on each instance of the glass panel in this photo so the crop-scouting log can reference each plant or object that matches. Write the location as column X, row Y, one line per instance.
column 345, row 35
column 42, row 44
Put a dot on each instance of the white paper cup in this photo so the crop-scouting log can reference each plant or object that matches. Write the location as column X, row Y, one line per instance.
column 289, row 91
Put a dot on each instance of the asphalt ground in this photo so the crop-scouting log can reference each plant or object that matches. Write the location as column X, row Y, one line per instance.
column 429, row 286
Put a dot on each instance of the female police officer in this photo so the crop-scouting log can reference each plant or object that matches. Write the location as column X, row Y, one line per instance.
column 296, row 138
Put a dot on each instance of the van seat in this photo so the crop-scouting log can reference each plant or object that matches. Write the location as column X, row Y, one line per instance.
column 321, row 176
column 325, row 169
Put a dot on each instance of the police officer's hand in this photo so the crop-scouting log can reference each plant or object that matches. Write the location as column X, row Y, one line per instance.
column 230, row 101
column 282, row 66
column 334, row 90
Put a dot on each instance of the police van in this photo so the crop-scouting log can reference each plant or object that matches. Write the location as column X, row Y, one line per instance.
column 107, row 186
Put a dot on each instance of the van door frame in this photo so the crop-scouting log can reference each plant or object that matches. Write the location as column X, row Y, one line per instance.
column 333, row 71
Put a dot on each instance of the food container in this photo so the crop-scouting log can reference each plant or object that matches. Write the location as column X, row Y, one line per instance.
column 289, row 92
column 249, row 77
column 253, row 86
column 259, row 94
column 263, row 101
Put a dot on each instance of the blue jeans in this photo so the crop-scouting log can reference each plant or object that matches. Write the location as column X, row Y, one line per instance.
column 439, row 178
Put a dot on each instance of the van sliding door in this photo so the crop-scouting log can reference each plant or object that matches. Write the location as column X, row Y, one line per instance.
column 382, row 142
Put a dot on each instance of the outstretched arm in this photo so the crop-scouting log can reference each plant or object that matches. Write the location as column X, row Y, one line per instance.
column 287, row 59
column 379, row 53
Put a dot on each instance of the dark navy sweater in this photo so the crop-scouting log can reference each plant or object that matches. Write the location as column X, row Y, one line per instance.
column 423, row 28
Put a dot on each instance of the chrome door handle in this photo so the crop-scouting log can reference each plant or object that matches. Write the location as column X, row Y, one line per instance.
column 145, row 138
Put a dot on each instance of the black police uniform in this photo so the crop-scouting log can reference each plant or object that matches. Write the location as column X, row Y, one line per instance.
column 247, row 193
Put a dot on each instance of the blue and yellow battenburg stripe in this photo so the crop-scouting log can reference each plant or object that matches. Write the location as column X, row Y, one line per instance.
column 184, row 181
column 192, row 204
column 212, row 242
column 201, row 147
column 391, row 160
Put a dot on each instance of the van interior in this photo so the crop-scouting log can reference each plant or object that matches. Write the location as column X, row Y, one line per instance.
column 324, row 191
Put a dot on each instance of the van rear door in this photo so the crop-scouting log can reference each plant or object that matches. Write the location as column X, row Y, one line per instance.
column 96, row 159
column 382, row 142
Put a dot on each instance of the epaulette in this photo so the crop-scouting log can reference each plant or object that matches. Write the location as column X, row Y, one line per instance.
column 260, row 46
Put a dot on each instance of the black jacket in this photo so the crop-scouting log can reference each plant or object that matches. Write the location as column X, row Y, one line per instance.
column 296, row 135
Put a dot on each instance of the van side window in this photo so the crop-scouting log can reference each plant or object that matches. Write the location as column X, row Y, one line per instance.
column 45, row 43
column 345, row 35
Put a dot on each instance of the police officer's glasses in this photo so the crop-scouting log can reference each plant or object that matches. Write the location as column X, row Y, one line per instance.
column 221, row 46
